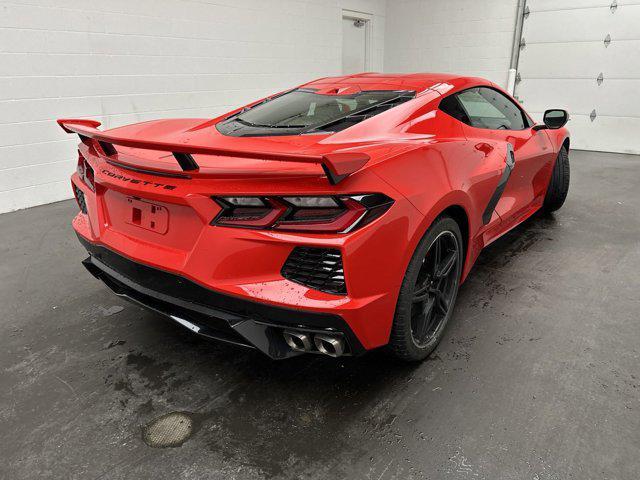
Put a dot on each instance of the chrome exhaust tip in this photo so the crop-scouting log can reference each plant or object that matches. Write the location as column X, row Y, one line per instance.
column 298, row 341
column 329, row 345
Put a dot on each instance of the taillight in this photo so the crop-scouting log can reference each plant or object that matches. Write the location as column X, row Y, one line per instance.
column 80, row 168
column 322, row 214
column 88, row 176
column 85, row 172
column 336, row 216
column 251, row 212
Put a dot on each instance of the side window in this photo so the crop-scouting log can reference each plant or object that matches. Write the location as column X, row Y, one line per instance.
column 451, row 106
column 488, row 108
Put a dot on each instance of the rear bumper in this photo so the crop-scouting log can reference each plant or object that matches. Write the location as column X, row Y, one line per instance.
column 241, row 267
column 209, row 313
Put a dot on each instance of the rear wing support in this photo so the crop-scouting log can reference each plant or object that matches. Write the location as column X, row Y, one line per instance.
column 336, row 166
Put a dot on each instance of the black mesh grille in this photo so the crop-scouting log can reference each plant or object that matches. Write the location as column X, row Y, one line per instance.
column 317, row 268
column 82, row 203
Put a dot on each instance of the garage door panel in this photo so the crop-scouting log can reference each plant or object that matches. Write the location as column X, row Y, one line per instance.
column 555, row 26
column 558, row 5
column 605, row 134
column 563, row 93
column 619, row 97
column 538, row 5
column 564, row 54
column 581, row 96
column 581, row 60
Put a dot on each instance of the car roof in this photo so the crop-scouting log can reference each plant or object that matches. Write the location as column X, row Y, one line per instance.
column 394, row 81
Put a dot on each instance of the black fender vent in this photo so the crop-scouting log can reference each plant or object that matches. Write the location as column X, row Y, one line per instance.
column 317, row 268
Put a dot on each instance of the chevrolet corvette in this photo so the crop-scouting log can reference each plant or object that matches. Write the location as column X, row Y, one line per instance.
column 333, row 218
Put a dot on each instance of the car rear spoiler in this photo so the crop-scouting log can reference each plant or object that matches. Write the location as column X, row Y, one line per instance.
column 336, row 166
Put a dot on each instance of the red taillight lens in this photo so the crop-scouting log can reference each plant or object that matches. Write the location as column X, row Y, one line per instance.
column 329, row 219
column 80, row 168
column 88, row 176
column 322, row 214
column 85, row 172
column 248, row 212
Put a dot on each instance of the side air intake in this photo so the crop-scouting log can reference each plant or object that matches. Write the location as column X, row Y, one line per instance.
column 317, row 268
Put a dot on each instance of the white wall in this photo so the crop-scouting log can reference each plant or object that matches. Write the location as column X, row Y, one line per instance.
column 124, row 61
column 469, row 37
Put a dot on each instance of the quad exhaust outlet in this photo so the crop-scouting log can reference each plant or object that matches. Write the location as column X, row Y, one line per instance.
column 298, row 341
column 332, row 345
column 329, row 345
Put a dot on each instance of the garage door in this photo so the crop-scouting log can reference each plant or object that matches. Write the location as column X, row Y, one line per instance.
column 584, row 55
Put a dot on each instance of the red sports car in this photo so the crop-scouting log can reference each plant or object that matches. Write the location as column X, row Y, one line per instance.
column 336, row 217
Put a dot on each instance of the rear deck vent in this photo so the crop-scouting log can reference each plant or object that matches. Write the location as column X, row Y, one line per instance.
column 317, row 268
column 82, row 203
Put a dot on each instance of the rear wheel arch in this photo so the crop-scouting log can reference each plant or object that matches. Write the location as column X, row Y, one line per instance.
column 450, row 207
column 423, row 295
column 558, row 186
column 459, row 214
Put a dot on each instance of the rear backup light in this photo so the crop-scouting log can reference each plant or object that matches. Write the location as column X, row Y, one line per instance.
column 85, row 172
column 312, row 202
column 321, row 214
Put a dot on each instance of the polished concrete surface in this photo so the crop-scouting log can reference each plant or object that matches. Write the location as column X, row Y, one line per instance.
column 538, row 376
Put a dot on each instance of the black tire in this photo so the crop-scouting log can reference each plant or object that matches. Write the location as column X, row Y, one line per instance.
column 559, row 184
column 403, row 343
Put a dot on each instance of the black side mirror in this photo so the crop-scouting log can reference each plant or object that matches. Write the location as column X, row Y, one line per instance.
column 553, row 119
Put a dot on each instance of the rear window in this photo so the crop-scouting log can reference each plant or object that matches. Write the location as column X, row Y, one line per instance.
column 303, row 111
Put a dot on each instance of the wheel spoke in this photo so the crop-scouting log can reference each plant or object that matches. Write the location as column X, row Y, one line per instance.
column 425, row 320
column 417, row 298
column 437, row 253
column 422, row 292
column 444, row 268
column 428, row 305
column 442, row 304
column 435, row 288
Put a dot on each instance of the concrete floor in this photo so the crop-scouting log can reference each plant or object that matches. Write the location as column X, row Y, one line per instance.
column 537, row 377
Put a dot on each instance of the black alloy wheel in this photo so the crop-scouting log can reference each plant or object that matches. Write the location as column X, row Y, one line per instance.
column 435, row 289
column 428, row 292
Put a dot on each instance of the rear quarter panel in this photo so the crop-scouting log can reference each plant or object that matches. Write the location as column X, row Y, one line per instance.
column 441, row 172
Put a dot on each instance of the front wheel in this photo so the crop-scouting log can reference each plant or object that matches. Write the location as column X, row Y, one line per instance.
column 428, row 292
column 559, row 184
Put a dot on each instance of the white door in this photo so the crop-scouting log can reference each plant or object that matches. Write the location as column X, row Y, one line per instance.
column 584, row 55
column 355, row 33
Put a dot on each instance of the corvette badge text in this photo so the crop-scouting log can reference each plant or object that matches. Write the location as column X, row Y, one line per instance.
column 136, row 181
